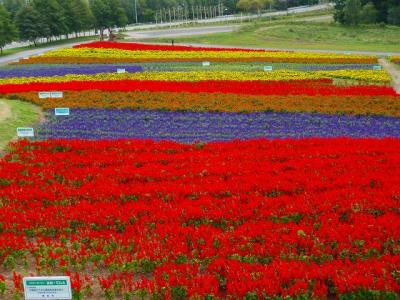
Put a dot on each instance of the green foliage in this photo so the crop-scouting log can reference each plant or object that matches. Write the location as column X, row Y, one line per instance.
column 352, row 12
column 30, row 24
column 12, row 6
column 339, row 11
column 53, row 15
column 394, row 15
column 252, row 5
column 369, row 14
column 108, row 13
column 7, row 28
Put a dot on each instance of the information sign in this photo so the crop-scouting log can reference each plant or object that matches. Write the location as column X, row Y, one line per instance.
column 54, row 287
column 61, row 111
column 25, row 132
column 44, row 95
column 267, row 68
column 56, row 94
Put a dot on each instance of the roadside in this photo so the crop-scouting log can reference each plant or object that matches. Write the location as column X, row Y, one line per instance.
column 13, row 114
column 34, row 51
column 204, row 30
column 394, row 73
column 316, row 34
column 315, row 9
column 14, row 54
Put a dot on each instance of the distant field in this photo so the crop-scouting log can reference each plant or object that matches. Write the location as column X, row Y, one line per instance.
column 306, row 35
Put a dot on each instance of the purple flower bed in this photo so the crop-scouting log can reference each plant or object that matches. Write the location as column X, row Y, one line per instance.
column 64, row 70
column 191, row 126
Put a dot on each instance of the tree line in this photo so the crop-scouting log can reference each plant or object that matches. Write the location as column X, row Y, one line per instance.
column 355, row 12
column 35, row 20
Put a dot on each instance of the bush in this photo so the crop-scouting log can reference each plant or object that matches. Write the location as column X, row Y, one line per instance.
column 394, row 15
column 368, row 14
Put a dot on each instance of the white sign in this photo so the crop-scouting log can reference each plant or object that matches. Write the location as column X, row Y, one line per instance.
column 54, row 287
column 267, row 68
column 61, row 111
column 25, row 132
column 120, row 71
column 377, row 68
column 44, row 95
column 206, row 63
column 56, row 94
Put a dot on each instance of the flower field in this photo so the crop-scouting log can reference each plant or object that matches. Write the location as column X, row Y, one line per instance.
column 175, row 179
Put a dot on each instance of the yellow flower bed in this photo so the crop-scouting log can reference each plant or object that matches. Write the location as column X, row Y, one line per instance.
column 213, row 55
column 280, row 75
column 395, row 59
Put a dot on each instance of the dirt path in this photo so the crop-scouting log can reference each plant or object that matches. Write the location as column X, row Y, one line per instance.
column 5, row 111
column 394, row 73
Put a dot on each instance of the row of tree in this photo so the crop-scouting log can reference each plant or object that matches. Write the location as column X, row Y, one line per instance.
column 354, row 12
column 36, row 20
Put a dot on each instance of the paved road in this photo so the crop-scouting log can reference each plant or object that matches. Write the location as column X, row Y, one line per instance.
column 181, row 32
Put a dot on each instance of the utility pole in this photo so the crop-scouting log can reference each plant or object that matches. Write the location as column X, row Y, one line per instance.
column 136, row 11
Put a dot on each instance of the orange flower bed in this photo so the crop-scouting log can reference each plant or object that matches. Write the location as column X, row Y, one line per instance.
column 172, row 101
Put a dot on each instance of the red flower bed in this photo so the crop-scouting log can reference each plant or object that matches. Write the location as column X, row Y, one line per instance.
column 138, row 46
column 315, row 217
column 311, row 88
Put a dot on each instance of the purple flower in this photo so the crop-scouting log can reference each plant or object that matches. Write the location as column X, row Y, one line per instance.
column 204, row 126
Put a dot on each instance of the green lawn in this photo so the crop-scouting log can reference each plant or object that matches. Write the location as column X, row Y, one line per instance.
column 22, row 114
column 72, row 40
column 306, row 35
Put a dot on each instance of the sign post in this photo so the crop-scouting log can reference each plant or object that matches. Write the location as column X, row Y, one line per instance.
column 268, row 68
column 44, row 95
column 56, row 95
column 206, row 64
column 54, row 287
column 25, row 132
column 61, row 111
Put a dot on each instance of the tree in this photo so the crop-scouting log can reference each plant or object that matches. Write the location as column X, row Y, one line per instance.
column 252, row 5
column 85, row 15
column 368, row 14
column 394, row 15
column 12, row 6
column 70, row 15
column 53, row 15
column 102, row 15
column 7, row 29
column 30, row 24
column 352, row 12
column 118, row 16
column 108, row 14
column 339, row 11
